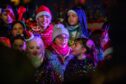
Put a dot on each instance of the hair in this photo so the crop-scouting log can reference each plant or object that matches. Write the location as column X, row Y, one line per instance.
column 20, row 22
column 83, row 42
column 18, row 37
column 36, row 39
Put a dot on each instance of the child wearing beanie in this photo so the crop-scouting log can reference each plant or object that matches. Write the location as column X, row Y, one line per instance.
column 59, row 52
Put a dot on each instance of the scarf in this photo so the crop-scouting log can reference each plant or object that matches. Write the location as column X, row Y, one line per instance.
column 73, row 28
column 61, row 51
column 47, row 36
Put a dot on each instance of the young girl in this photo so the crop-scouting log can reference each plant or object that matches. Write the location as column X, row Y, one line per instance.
column 59, row 52
column 36, row 53
column 43, row 19
column 19, row 43
column 18, row 28
column 76, row 24
column 80, row 67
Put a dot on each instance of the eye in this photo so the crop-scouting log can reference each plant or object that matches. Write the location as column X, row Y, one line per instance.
column 38, row 48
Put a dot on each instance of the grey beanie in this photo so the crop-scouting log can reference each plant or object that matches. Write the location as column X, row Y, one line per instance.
column 58, row 30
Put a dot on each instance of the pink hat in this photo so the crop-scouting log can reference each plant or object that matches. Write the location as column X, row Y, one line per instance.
column 43, row 10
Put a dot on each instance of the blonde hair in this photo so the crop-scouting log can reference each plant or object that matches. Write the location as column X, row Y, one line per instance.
column 37, row 39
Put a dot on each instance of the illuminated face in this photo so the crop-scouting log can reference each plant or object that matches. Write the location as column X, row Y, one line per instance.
column 72, row 19
column 61, row 40
column 8, row 15
column 19, row 44
column 17, row 29
column 77, row 49
column 44, row 21
column 16, row 2
column 35, row 48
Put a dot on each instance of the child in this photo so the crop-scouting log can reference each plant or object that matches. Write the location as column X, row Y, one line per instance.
column 76, row 24
column 80, row 67
column 36, row 53
column 18, row 28
column 43, row 18
column 19, row 43
column 59, row 52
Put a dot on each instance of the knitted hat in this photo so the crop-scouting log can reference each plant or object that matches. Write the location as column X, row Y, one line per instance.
column 58, row 30
column 43, row 10
column 71, row 11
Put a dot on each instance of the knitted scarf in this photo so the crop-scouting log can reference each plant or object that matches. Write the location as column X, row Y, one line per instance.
column 61, row 51
column 47, row 36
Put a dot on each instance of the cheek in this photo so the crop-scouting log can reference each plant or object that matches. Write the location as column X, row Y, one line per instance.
column 20, row 31
column 14, row 32
column 30, row 51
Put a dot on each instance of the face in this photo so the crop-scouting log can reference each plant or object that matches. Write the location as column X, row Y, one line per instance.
column 8, row 15
column 19, row 44
column 17, row 29
column 62, row 40
column 34, row 48
column 43, row 21
column 72, row 19
column 77, row 49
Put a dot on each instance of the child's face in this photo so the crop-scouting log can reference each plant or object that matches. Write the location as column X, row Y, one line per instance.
column 72, row 19
column 19, row 44
column 17, row 29
column 61, row 40
column 34, row 48
column 44, row 21
column 77, row 49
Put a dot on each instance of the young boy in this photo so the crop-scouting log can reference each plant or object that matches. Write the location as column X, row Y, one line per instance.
column 43, row 18
column 80, row 67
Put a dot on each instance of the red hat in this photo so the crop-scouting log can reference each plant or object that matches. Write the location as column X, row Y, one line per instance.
column 43, row 10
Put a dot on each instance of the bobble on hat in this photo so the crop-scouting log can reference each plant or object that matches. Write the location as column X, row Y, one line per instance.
column 58, row 30
column 43, row 10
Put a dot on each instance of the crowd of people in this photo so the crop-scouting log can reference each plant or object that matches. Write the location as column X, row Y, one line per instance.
column 60, row 52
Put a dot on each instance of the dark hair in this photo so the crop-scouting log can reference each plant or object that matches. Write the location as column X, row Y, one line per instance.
column 21, row 22
column 83, row 42
column 18, row 37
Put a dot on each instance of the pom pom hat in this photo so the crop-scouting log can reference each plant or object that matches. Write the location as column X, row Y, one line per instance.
column 58, row 30
column 43, row 10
